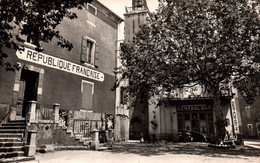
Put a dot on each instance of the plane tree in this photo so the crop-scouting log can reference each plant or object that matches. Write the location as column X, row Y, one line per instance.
column 212, row 43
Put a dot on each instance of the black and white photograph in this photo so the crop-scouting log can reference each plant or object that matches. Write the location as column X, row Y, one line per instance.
column 132, row 81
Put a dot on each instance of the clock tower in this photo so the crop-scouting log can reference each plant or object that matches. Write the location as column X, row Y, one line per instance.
column 135, row 16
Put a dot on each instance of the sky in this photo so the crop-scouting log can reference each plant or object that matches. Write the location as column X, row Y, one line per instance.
column 118, row 6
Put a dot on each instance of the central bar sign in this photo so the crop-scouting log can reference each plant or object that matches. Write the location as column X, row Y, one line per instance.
column 194, row 108
column 57, row 63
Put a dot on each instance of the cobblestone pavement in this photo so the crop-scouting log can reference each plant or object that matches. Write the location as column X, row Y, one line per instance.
column 155, row 153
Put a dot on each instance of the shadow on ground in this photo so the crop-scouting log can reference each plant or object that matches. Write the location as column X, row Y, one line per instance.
column 145, row 149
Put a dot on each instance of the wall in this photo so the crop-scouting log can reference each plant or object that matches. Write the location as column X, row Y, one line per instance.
column 133, row 21
column 105, row 36
column 49, row 133
column 7, row 79
column 250, row 115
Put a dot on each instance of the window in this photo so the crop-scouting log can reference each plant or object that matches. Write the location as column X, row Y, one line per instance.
column 187, row 116
column 210, row 123
column 91, row 15
column 88, row 51
column 123, row 96
column 250, row 131
column 87, row 89
column 180, row 123
column 202, row 116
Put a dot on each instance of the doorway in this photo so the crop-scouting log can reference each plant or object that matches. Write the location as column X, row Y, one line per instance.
column 28, row 90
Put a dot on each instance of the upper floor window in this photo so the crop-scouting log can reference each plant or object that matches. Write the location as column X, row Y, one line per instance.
column 91, row 15
column 88, row 50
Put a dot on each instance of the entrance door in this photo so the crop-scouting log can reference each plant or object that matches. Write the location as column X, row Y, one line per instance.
column 28, row 91
column 20, row 97
column 122, row 128
column 195, row 124
column 169, row 122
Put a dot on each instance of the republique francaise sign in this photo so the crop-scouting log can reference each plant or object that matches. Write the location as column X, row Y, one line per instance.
column 57, row 63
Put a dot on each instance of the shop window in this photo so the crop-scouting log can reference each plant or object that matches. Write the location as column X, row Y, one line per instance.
column 179, row 115
column 87, row 89
column 88, row 50
column 194, row 116
column 180, row 121
column 210, row 123
column 187, row 116
column 202, row 116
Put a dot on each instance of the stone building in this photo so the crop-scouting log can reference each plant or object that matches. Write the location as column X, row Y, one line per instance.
column 78, row 81
column 250, row 117
column 136, row 16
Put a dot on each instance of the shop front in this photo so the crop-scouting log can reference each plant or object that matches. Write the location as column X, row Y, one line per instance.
column 196, row 118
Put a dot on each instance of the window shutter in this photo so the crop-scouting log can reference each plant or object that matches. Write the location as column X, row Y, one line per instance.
column 96, row 56
column 84, row 49
column 87, row 96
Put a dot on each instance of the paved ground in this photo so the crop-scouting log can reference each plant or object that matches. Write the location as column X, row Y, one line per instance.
column 155, row 153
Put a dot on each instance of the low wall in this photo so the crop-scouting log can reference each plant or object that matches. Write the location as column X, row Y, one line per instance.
column 4, row 112
column 51, row 133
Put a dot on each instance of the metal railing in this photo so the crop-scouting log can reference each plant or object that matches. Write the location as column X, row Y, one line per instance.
column 44, row 112
column 84, row 127
column 131, row 9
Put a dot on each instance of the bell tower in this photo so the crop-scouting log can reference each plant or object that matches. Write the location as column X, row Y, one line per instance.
column 135, row 16
column 138, row 3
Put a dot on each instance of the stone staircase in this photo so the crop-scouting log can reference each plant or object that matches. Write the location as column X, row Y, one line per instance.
column 12, row 143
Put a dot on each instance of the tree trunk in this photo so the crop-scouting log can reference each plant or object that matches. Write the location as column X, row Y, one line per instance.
column 220, row 120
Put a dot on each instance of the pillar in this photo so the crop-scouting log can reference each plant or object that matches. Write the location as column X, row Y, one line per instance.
column 56, row 112
column 30, row 148
column 95, row 139
column 32, row 113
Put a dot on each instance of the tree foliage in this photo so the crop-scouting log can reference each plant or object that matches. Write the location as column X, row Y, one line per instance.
column 33, row 21
column 213, row 43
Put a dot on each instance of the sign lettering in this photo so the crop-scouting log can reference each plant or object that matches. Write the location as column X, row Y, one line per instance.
column 234, row 116
column 194, row 107
column 60, row 64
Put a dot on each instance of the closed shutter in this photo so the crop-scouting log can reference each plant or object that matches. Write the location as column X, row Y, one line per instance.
column 96, row 55
column 87, row 93
column 84, row 49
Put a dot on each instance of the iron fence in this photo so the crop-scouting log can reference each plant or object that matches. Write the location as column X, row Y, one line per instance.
column 44, row 112
column 84, row 127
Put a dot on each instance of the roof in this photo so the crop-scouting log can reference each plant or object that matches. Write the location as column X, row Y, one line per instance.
column 107, row 11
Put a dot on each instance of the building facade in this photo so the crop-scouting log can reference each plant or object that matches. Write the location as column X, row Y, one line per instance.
column 250, row 117
column 78, row 80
